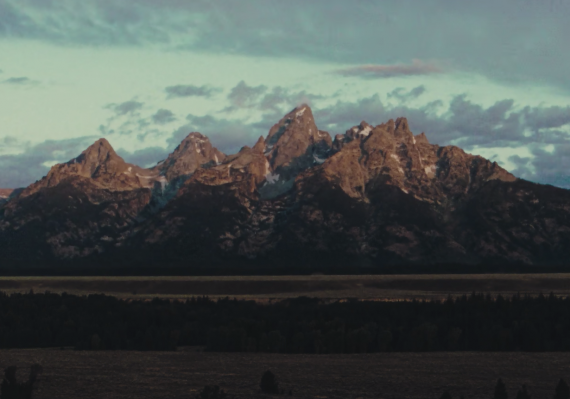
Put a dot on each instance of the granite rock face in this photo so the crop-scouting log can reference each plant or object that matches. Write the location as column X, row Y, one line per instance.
column 78, row 208
column 293, row 145
column 193, row 152
column 5, row 194
column 377, row 195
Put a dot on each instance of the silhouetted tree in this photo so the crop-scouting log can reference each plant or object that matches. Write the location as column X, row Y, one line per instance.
column 211, row 392
column 446, row 395
column 269, row 383
column 12, row 389
column 523, row 393
column 500, row 390
column 562, row 390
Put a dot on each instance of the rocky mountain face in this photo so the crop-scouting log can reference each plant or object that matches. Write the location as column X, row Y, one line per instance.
column 194, row 151
column 376, row 195
column 5, row 192
column 293, row 145
column 91, row 203
column 5, row 195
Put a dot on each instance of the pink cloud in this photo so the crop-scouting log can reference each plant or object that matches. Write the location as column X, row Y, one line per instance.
column 417, row 67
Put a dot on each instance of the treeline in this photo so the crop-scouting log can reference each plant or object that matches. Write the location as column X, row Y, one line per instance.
column 332, row 266
column 469, row 323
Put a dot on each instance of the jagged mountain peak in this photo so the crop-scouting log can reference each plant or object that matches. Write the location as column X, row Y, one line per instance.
column 193, row 142
column 5, row 194
column 399, row 129
column 100, row 165
column 392, row 132
column 260, row 144
column 401, row 124
column 194, row 151
column 389, row 153
column 293, row 142
column 101, row 143
column 299, row 118
column 359, row 131
column 97, row 154
column 421, row 139
column 380, row 194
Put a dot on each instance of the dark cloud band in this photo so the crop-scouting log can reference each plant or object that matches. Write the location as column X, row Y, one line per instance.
column 417, row 67
column 20, row 81
column 508, row 40
column 179, row 91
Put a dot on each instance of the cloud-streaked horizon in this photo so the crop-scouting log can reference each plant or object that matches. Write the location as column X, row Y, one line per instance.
column 417, row 67
column 360, row 32
column 504, row 125
column 179, row 91
column 20, row 81
column 488, row 76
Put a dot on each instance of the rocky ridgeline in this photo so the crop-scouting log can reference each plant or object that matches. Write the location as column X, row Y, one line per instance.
column 5, row 194
column 376, row 195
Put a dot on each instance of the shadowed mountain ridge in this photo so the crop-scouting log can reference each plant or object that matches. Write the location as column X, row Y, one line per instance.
column 375, row 196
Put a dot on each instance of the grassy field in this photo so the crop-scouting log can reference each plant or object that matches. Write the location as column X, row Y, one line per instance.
column 378, row 287
column 70, row 374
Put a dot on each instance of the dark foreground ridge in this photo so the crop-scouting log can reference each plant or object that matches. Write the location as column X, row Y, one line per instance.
column 302, row 325
column 373, row 198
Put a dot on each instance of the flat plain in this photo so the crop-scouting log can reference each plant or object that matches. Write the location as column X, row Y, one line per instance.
column 263, row 288
column 181, row 374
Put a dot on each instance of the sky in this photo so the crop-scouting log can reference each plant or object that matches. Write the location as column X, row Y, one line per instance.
column 490, row 76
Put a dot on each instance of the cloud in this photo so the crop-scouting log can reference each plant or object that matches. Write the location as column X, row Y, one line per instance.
column 146, row 157
column 417, row 67
column 504, row 40
column 273, row 101
column 552, row 117
column 179, row 91
column 133, row 120
column 128, row 107
column 20, row 81
column 549, row 164
column 244, row 96
column 401, row 95
column 280, row 98
column 12, row 145
column 163, row 116
column 20, row 170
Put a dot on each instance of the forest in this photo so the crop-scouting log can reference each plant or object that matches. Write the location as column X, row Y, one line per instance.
column 475, row 322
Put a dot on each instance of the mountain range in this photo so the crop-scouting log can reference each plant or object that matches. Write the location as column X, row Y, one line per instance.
column 5, row 194
column 374, row 196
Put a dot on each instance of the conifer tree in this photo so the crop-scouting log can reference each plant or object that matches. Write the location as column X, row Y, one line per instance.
column 523, row 393
column 12, row 389
column 269, row 383
column 500, row 390
column 562, row 390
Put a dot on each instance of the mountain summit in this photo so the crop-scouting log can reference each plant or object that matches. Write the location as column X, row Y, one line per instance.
column 293, row 143
column 101, row 166
column 375, row 196
column 193, row 152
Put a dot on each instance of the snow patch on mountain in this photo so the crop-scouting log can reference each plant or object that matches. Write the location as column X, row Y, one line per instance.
column 271, row 178
column 318, row 160
column 366, row 131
